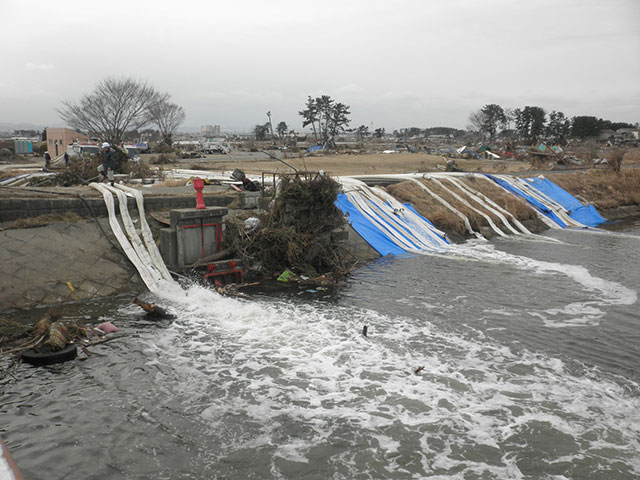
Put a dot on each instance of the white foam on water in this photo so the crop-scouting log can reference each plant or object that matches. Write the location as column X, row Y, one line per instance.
column 302, row 377
column 602, row 293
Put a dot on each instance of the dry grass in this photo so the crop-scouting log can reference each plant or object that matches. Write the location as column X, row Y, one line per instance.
column 514, row 205
column 603, row 188
column 176, row 182
column 428, row 207
column 43, row 220
column 445, row 219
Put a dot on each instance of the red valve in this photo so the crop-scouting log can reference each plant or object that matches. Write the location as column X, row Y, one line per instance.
column 198, row 184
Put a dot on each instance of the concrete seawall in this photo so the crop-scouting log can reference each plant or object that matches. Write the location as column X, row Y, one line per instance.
column 15, row 208
column 38, row 262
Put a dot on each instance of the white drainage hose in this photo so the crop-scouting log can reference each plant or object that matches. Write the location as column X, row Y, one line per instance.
column 134, row 238
column 450, row 207
column 152, row 248
column 146, row 276
column 473, row 195
column 467, row 204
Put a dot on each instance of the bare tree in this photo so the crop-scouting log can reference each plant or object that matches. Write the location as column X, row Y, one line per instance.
column 167, row 116
column 476, row 121
column 115, row 106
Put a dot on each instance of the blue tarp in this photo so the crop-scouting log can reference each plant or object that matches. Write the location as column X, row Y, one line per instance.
column 585, row 214
column 368, row 231
column 539, row 206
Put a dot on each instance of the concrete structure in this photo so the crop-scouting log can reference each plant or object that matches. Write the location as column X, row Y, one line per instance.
column 59, row 138
column 39, row 263
column 193, row 234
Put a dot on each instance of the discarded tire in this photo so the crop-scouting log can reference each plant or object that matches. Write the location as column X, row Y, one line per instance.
column 36, row 358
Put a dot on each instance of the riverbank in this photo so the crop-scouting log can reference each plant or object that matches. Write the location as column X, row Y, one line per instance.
column 48, row 262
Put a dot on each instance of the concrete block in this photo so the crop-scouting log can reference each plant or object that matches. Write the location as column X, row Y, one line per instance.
column 169, row 246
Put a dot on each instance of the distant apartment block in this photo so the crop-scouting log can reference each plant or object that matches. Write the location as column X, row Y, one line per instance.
column 59, row 138
column 210, row 130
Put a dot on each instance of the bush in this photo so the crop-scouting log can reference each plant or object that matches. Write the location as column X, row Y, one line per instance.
column 614, row 159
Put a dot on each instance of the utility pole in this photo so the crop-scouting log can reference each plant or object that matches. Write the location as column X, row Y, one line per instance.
column 271, row 127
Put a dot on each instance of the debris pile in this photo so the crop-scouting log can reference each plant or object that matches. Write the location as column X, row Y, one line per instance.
column 296, row 232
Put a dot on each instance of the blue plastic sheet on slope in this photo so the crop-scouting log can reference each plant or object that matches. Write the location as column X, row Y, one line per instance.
column 585, row 214
column 539, row 206
column 368, row 231
column 410, row 207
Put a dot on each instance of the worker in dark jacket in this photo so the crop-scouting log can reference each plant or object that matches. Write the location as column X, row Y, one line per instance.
column 108, row 162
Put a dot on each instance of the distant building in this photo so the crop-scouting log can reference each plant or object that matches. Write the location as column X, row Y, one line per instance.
column 206, row 130
column 59, row 138
column 210, row 130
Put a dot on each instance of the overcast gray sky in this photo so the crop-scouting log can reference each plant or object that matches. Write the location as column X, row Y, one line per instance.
column 396, row 63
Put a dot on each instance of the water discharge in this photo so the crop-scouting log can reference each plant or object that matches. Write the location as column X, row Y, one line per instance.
column 287, row 387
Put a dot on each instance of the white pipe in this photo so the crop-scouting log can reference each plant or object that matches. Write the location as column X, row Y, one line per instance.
column 464, row 202
column 503, row 210
column 134, row 238
column 152, row 248
column 405, row 229
column 122, row 239
column 464, row 218
column 547, row 221
column 476, row 198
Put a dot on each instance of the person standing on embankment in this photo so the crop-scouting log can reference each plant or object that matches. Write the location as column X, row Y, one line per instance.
column 108, row 162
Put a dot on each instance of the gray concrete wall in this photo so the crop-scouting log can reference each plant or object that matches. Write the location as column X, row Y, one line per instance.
column 36, row 264
column 14, row 208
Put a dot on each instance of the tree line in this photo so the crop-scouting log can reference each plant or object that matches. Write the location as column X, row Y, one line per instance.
column 531, row 123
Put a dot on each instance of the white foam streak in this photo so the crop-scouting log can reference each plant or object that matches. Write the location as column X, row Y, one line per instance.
column 603, row 292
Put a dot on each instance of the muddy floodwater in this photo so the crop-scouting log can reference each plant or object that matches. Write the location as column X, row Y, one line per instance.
column 531, row 356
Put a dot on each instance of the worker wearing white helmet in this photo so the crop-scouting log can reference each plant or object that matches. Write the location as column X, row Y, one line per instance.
column 108, row 162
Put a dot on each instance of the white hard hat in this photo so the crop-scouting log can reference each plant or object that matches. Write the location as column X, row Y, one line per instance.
column 105, row 145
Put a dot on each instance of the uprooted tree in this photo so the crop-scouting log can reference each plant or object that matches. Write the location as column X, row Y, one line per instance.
column 327, row 118
column 115, row 107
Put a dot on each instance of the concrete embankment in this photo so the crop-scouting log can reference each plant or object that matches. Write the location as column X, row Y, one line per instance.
column 40, row 263
column 84, row 202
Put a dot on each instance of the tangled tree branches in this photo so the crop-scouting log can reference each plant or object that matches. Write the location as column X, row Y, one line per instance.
column 295, row 233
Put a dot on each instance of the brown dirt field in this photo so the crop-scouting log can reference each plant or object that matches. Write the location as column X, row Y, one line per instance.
column 366, row 164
